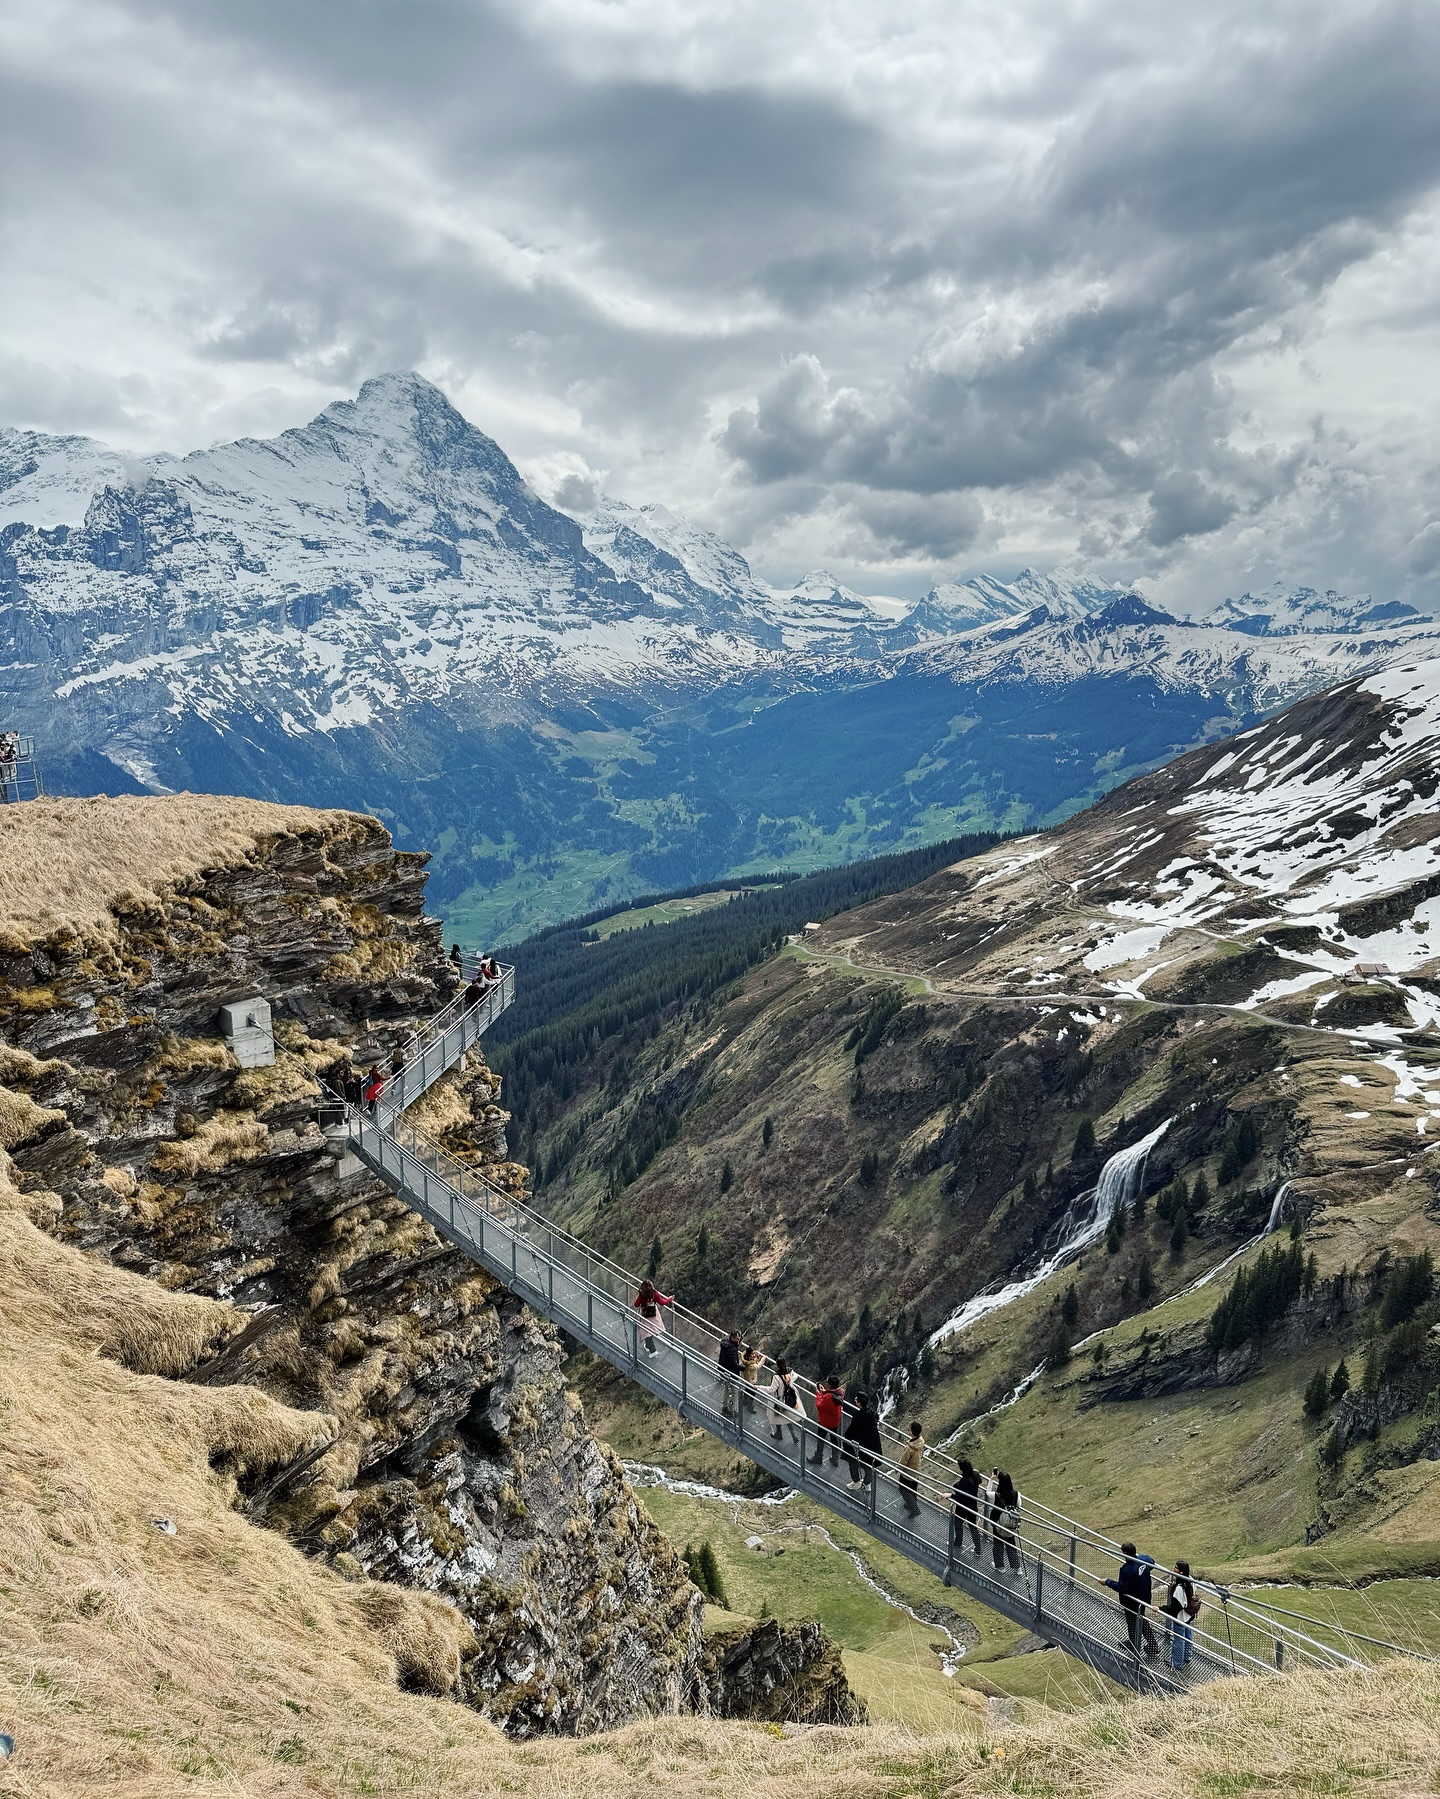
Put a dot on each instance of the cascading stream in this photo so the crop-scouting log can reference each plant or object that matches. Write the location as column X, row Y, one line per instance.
column 1085, row 1223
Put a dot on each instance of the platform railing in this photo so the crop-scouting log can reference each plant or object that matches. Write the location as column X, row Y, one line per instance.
column 1055, row 1581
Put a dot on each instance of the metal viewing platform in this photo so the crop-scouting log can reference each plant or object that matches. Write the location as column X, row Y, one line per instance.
column 1058, row 1589
column 19, row 771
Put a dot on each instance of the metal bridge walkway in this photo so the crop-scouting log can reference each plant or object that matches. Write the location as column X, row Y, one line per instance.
column 1058, row 1590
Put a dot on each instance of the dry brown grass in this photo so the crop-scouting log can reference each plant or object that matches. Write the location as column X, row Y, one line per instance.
column 98, row 1309
column 65, row 862
column 224, row 1138
column 21, row 1118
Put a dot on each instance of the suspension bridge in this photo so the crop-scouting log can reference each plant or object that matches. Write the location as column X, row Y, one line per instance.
column 1058, row 1590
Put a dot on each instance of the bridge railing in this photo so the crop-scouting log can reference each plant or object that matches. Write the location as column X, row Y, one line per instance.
column 1063, row 1565
column 440, row 1042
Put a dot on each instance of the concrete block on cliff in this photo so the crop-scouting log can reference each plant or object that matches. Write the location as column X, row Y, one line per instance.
column 249, row 1036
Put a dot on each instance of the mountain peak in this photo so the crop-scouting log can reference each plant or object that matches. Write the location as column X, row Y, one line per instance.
column 406, row 414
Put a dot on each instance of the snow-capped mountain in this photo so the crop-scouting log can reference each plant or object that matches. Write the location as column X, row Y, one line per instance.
column 951, row 606
column 375, row 609
column 1276, row 612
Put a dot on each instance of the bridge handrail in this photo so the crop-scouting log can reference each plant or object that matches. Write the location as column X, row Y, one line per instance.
column 1059, row 1531
column 1049, row 1537
column 469, row 1185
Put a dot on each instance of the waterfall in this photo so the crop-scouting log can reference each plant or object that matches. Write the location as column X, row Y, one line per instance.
column 1086, row 1222
column 1277, row 1207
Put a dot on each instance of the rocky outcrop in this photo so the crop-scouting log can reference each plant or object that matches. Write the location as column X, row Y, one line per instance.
column 780, row 1673
column 457, row 1462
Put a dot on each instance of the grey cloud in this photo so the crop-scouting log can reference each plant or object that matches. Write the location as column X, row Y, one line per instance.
column 1183, row 506
column 891, row 329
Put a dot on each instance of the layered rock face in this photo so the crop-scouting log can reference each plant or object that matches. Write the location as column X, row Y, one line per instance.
column 779, row 1673
column 456, row 1461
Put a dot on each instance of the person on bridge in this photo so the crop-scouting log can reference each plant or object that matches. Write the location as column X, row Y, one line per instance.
column 474, row 993
column 455, row 955
column 1005, row 1522
column 1182, row 1608
column 829, row 1416
column 751, row 1362
column 490, row 971
column 647, row 1303
column 374, row 1087
column 1135, row 1588
column 863, row 1435
column 787, row 1410
column 965, row 1496
column 911, row 1457
column 729, row 1359
column 767, row 1391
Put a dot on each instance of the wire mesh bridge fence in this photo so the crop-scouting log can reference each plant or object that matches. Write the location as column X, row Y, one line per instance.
column 1049, row 1576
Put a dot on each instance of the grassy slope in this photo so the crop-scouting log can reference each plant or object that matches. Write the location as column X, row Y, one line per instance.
column 1228, row 1476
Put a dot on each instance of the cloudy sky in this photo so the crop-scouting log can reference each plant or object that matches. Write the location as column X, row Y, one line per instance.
column 1144, row 287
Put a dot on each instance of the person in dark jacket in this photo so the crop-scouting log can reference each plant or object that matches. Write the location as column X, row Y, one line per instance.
column 863, row 1435
column 1136, row 1591
column 729, row 1359
column 1005, row 1522
column 829, row 1416
column 965, row 1496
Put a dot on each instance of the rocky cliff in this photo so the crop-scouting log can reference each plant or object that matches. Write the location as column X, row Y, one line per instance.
column 449, row 1455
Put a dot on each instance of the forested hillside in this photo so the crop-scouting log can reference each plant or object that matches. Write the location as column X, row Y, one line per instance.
column 585, row 1004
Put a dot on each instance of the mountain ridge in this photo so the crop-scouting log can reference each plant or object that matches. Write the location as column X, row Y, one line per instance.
column 375, row 610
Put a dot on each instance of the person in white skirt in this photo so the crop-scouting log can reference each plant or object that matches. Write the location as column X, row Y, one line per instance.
column 647, row 1303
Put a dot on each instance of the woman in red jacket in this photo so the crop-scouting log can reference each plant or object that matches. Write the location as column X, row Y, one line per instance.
column 829, row 1414
column 647, row 1303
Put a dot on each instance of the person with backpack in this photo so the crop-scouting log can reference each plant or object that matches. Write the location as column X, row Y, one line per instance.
column 787, row 1409
column 647, row 1303
column 829, row 1416
column 1181, row 1608
column 965, row 1497
column 1005, row 1522
column 729, row 1360
column 1134, row 1586
column 863, row 1434
column 911, row 1457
